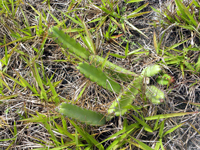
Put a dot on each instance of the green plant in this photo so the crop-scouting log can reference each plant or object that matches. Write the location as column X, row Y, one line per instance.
column 129, row 94
column 183, row 16
column 173, row 56
column 39, row 89
column 117, row 17
column 95, row 73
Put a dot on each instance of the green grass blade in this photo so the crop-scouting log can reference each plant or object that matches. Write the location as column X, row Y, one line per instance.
column 117, row 55
column 15, row 129
column 134, row 51
column 26, row 84
column 56, row 99
column 53, row 137
column 121, row 140
column 142, row 145
column 76, row 140
column 137, row 14
column 156, row 125
column 87, row 137
column 143, row 123
column 176, row 45
column 38, row 13
column 165, row 116
column 123, row 131
column 133, row 1
column 73, row 19
column 104, row 61
column 161, row 129
column 127, row 49
column 189, row 66
column 185, row 12
column 134, row 28
column 157, row 147
column 15, row 80
column 26, row 22
column 81, row 93
column 134, row 13
column 64, row 131
column 56, row 20
column 7, row 97
column 5, row 84
column 88, row 39
column 195, row 128
column 173, row 129
column 155, row 43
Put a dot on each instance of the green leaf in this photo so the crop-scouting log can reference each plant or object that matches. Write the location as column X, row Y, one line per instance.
column 121, row 139
column 134, row 28
column 98, row 76
column 155, row 43
column 151, row 70
column 155, row 95
column 56, row 99
column 164, row 79
column 142, row 145
column 189, row 66
column 100, row 60
column 82, row 114
column 173, row 129
column 67, row 42
column 134, row 51
column 161, row 129
column 124, row 131
column 2, row 98
column 185, row 14
column 135, row 12
column 39, row 81
column 143, row 123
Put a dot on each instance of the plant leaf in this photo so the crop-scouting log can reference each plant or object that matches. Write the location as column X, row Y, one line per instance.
column 98, row 76
column 82, row 114
column 67, row 42
column 151, row 70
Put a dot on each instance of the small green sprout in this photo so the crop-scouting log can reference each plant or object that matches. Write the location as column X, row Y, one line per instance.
column 165, row 79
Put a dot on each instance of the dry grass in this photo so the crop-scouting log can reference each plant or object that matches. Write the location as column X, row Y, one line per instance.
column 33, row 133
